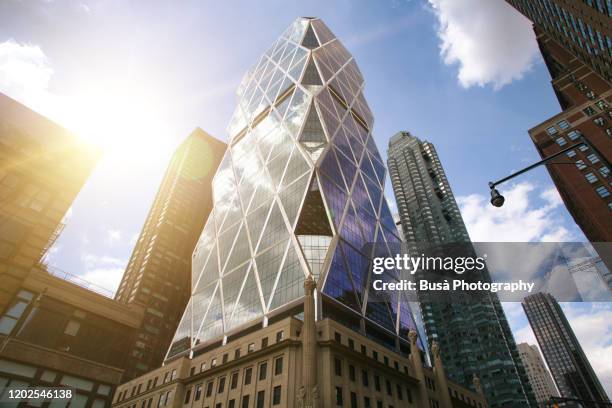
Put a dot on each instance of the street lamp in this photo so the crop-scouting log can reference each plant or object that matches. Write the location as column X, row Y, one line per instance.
column 497, row 200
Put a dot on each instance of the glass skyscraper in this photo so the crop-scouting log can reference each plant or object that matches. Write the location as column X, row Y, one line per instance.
column 299, row 192
column 476, row 338
column 569, row 365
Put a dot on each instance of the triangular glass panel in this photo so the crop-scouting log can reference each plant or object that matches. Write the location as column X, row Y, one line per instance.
column 335, row 199
column 287, row 58
column 351, row 230
column 234, row 213
column 296, row 70
column 264, row 191
column 310, row 40
column 315, row 249
column 349, row 170
column 212, row 325
column 329, row 167
column 375, row 192
column 201, row 301
column 368, row 170
column 231, row 284
column 182, row 336
column 291, row 197
column 248, row 306
column 324, row 100
column 268, row 264
column 368, row 225
column 313, row 217
column 312, row 137
column 379, row 169
column 358, row 267
column 203, row 250
column 378, row 310
column 210, row 273
column 343, row 145
column 274, row 231
column 323, row 33
column 282, row 107
column 386, row 219
column 256, row 221
column 290, row 285
column 311, row 75
column 241, row 252
column 297, row 167
column 360, row 197
column 338, row 284
column 226, row 240
column 297, row 110
column 323, row 68
column 276, row 166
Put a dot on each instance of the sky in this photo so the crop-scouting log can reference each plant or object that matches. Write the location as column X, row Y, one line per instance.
column 136, row 77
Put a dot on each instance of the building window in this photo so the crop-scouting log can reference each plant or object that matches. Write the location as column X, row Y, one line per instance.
column 339, row 401
column 276, row 395
column 338, row 366
column 245, row 401
column 225, row 358
column 221, row 385
column 573, row 135
column 602, row 191
column 589, row 111
column 389, row 389
column 173, row 376
column 561, row 141
column 352, row 372
column 377, row 383
column 209, row 389
column 366, row 402
column 353, row 400
column 248, row 373
column 231, row 403
column 364, row 378
column 234, row 380
column 351, row 344
column 236, row 354
column 263, row 371
column 583, row 148
column 264, row 342
column 400, row 395
column 571, row 153
column 202, row 367
column 604, row 171
column 213, row 362
column 593, row 158
column 375, row 355
column 591, row 178
column 72, row 328
column 580, row 164
column 280, row 336
column 601, row 105
column 251, row 347
column 187, row 396
column 278, row 366
column 338, row 337
column 551, row 130
column 563, row 125
column 364, row 351
column 261, row 396
column 599, row 121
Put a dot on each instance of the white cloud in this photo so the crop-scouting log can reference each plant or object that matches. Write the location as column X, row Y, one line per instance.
column 519, row 220
column 103, row 271
column 491, row 42
column 113, row 236
column 591, row 324
column 25, row 72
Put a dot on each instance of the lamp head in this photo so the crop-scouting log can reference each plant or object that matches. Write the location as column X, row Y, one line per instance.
column 497, row 200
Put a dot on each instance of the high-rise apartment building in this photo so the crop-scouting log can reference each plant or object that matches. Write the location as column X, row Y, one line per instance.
column 575, row 41
column 539, row 377
column 582, row 27
column 281, row 313
column 476, row 337
column 568, row 364
column 42, row 169
column 158, row 275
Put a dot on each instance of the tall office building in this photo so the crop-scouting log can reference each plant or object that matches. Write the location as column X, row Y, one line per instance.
column 569, row 365
column 281, row 314
column 575, row 41
column 539, row 377
column 158, row 275
column 42, row 169
column 476, row 337
column 581, row 27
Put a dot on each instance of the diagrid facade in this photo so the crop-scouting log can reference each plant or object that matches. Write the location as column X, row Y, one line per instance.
column 299, row 192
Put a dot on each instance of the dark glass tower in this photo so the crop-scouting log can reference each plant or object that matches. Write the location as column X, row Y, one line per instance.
column 476, row 338
column 157, row 277
column 298, row 193
column 568, row 364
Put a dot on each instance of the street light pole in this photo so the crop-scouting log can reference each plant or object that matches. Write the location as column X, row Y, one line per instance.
column 498, row 200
